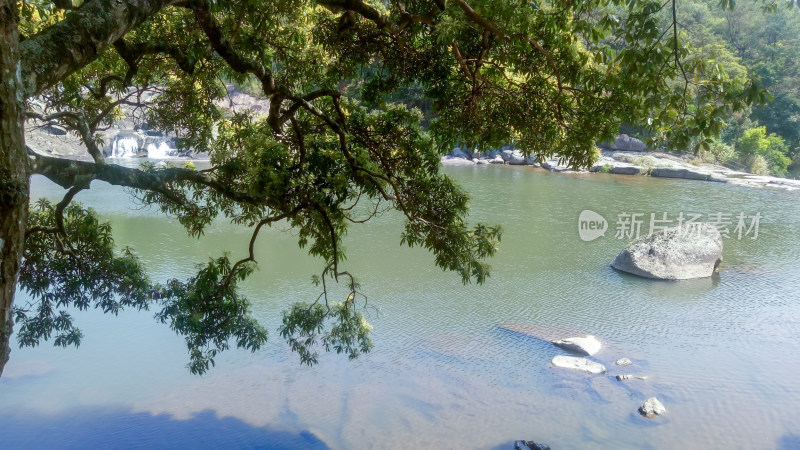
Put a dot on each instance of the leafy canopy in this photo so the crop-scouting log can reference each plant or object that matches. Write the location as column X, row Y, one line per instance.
column 337, row 144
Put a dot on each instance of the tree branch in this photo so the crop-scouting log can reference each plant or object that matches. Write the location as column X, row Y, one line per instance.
column 84, row 34
column 68, row 173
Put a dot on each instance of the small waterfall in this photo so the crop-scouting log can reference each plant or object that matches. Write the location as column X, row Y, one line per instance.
column 160, row 151
column 125, row 148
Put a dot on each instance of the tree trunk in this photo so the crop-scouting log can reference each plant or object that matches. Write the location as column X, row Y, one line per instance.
column 14, row 171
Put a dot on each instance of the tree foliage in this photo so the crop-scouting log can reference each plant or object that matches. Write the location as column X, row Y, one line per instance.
column 337, row 146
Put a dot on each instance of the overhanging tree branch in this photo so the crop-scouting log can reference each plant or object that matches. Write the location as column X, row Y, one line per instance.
column 67, row 173
column 86, row 33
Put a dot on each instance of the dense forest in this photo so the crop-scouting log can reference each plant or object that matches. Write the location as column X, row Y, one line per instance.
column 748, row 40
column 751, row 41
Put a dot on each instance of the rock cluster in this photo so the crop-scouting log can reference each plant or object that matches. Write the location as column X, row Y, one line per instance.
column 625, row 156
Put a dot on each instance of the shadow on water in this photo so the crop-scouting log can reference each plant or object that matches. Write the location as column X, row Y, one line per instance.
column 789, row 442
column 107, row 428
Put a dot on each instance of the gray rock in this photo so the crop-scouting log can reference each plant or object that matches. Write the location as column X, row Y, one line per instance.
column 507, row 155
column 517, row 158
column 576, row 363
column 453, row 161
column 552, row 164
column 685, row 173
column 627, row 143
column 481, row 161
column 491, row 154
column 626, row 169
column 458, row 153
column 532, row 160
column 673, row 254
column 623, row 362
column 627, row 376
column 497, row 160
column 652, row 407
column 530, row 445
column 586, row 344
column 55, row 130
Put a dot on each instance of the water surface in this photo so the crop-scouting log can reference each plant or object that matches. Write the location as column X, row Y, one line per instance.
column 720, row 353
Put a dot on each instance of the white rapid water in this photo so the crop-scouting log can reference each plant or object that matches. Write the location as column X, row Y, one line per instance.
column 125, row 148
column 160, row 151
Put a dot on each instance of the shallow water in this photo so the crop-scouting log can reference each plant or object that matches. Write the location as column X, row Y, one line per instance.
column 720, row 353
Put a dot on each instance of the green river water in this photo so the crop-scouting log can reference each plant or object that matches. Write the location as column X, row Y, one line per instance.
column 720, row 353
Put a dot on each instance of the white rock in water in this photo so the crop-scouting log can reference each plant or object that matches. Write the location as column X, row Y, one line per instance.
column 652, row 407
column 586, row 344
column 576, row 363
column 623, row 362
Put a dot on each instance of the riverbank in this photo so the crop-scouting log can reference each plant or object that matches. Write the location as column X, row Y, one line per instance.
column 132, row 139
column 634, row 161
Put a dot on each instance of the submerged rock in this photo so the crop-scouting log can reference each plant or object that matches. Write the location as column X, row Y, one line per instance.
column 586, row 344
column 673, row 254
column 623, row 362
column 652, row 407
column 530, row 445
column 576, row 363
column 627, row 376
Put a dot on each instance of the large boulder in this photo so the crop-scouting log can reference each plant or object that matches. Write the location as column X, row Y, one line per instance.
column 516, row 158
column 576, row 363
column 627, row 143
column 673, row 254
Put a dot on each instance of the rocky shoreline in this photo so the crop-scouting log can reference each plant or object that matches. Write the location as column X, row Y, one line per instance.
column 626, row 156
column 131, row 138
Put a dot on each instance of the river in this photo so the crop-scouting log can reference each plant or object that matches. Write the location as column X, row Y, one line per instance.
column 722, row 353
